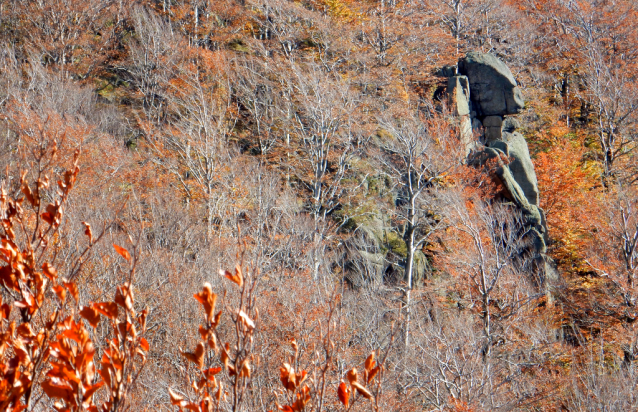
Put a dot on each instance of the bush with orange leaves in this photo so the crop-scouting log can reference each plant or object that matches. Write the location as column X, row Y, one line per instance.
column 228, row 362
column 45, row 346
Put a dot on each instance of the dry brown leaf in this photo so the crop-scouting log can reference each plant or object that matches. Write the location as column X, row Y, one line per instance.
column 123, row 252
column 246, row 320
column 210, row 373
column 352, row 375
column 370, row 363
column 60, row 292
column 124, row 296
column 50, row 271
column 208, row 300
column 175, row 398
column 73, row 289
column 343, row 392
column 144, row 344
column 91, row 315
column 87, row 231
column 197, row 357
column 57, row 388
column 90, row 390
column 237, row 278
column 373, row 373
column 108, row 309
column 362, row 390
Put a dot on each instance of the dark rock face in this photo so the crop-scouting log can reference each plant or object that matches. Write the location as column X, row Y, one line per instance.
column 494, row 89
column 493, row 94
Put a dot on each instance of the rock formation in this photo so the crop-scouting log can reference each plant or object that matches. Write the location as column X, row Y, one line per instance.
column 482, row 93
column 494, row 89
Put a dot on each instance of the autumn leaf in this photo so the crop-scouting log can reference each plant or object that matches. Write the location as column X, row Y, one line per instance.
column 87, row 231
column 91, row 315
column 90, row 390
column 237, row 278
column 175, row 398
column 60, row 292
column 343, row 393
column 369, row 363
column 142, row 319
column 373, row 373
column 57, row 388
column 244, row 370
column 352, row 375
column 246, row 320
column 208, row 300
column 287, row 377
column 108, row 309
column 362, row 390
column 49, row 271
column 196, row 357
column 73, row 289
column 123, row 252
column 63, row 372
column 124, row 296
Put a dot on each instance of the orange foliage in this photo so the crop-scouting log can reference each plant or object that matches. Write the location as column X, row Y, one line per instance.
column 569, row 187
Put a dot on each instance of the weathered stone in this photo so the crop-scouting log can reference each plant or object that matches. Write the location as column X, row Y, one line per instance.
column 510, row 125
column 500, row 145
column 492, row 133
column 494, row 89
column 420, row 269
column 458, row 90
column 493, row 121
column 493, row 94
column 521, row 166
column 537, row 241
column 513, row 190
column 376, row 264
column 467, row 134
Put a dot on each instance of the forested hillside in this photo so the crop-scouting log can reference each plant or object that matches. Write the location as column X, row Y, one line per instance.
column 316, row 205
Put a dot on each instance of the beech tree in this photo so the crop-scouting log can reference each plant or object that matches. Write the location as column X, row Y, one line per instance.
column 326, row 137
column 599, row 37
column 416, row 153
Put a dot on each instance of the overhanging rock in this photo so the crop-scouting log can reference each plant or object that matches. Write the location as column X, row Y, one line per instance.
column 494, row 91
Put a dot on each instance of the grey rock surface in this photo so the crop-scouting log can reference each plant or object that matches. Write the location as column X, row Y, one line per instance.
column 458, row 90
column 494, row 89
column 492, row 133
column 493, row 121
column 510, row 125
column 521, row 166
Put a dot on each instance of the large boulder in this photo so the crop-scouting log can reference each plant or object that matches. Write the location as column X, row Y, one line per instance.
column 532, row 214
column 493, row 87
column 521, row 166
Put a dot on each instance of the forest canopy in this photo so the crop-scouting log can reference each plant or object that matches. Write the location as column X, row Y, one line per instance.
column 318, row 205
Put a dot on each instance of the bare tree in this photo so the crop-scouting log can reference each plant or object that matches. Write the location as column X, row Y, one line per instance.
column 415, row 154
column 257, row 90
column 193, row 148
column 154, row 53
column 327, row 138
column 494, row 258
column 600, row 38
